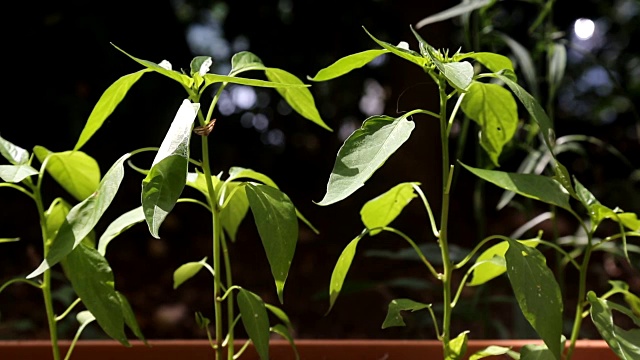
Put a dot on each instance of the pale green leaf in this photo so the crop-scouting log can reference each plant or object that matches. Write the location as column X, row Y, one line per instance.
column 624, row 343
column 340, row 271
column 75, row 171
column 491, row 350
column 216, row 78
column 382, row 210
column 536, row 352
column 491, row 263
column 118, row 226
column 457, row 347
column 493, row 62
column 284, row 332
column 406, row 54
column 187, row 271
column 16, row 173
column 245, row 61
column 347, row 64
column 13, row 153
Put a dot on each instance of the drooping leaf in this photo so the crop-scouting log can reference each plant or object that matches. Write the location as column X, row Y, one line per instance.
column 92, row 279
column 183, row 79
column 406, row 54
column 524, row 62
column 533, row 186
column 130, row 317
column 491, row 350
column 118, row 226
column 624, row 343
column 463, row 7
column 364, row 152
column 16, row 173
column 347, row 64
column 255, row 320
column 13, row 153
column 394, row 317
column 83, row 217
column 537, row 293
column 284, row 332
column 382, row 210
column 107, row 104
column 275, row 218
column 487, row 267
column 493, row 62
column 557, row 59
column 299, row 98
column 187, row 271
column 457, row 347
column 280, row 315
column 340, row 271
column 200, row 65
column 84, row 318
column 75, row 171
column 495, row 110
column 164, row 183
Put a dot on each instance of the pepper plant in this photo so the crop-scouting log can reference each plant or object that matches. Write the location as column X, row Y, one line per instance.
column 484, row 93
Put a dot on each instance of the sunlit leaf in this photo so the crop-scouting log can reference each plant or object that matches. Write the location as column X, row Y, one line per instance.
column 347, row 64
column 245, row 61
column 187, row 271
column 177, row 76
column 340, row 271
column 457, row 347
column 13, row 153
column 75, row 171
column 364, row 152
column 406, row 54
column 394, row 317
column 491, row 263
column 382, row 210
column 491, row 350
column 255, row 320
column 493, row 62
column 16, row 173
column 118, row 226
column 454, row 11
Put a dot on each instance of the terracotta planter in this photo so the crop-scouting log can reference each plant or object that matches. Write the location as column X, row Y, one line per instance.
column 280, row 350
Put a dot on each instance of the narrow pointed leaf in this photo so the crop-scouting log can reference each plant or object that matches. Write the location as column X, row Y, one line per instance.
column 107, row 104
column 394, row 316
column 537, row 293
column 537, row 187
column 406, row 54
column 118, row 226
column 92, row 279
column 462, row 8
column 216, row 78
column 347, row 64
column 557, row 59
column 382, row 210
column 495, row 110
column 623, row 342
column 83, row 217
column 255, row 320
column 13, row 153
column 75, row 171
column 16, row 173
column 524, row 61
column 7, row 240
column 284, row 332
column 179, row 77
column 457, row 347
column 275, row 218
column 364, row 152
column 164, row 183
column 299, row 98
column 340, row 271
column 130, row 317
column 493, row 62
column 488, row 267
column 280, row 315
column 186, row 272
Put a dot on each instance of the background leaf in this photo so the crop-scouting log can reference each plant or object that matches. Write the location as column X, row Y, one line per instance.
column 118, row 226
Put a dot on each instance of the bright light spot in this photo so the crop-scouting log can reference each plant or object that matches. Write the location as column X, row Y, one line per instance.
column 260, row 122
column 348, row 126
column 584, row 28
column 225, row 104
column 372, row 102
column 275, row 137
column 243, row 97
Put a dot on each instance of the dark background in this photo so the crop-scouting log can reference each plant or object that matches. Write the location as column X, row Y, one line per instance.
column 60, row 61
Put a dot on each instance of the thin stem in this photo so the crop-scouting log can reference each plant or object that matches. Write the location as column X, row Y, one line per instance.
column 414, row 246
column 194, row 201
column 229, row 291
column 66, row 312
column 242, row 349
column 435, row 321
column 582, row 289
column 17, row 280
column 230, row 309
column 477, row 248
column 432, row 220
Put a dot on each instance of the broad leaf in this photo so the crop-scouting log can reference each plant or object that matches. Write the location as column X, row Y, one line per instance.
column 340, row 271
column 164, row 183
column 255, row 320
column 382, row 210
column 75, row 171
column 55, row 216
column 177, row 76
column 83, row 217
column 495, row 110
column 107, row 104
column 493, row 62
column 118, row 226
column 533, row 186
column 364, row 152
column 13, row 153
column 236, row 209
column 187, row 271
column 491, row 350
column 459, row 74
column 245, row 61
column 394, row 317
column 84, row 318
column 347, row 64
column 463, row 7
column 623, row 342
column 457, row 347
column 16, row 173
column 92, row 279
column 537, row 292
column 491, row 263
column 275, row 218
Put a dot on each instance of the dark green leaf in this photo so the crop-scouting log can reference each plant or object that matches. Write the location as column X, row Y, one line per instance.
column 200, row 65
column 284, row 332
column 406, row 54
column 75, row 171
column 394, row 317
column 493, row 62
column 382, row 210
column 347, row 64
column 255, row 320
column 130, row 317
column 557, row 59
column 536, row 352
column 524, row 61
column 245, row 61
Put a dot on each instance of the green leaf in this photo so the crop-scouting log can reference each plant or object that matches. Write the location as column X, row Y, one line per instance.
column 14, row 154
column 382, row 210
column 537, row 292
column 284, row 332
column 92, row 279
column 235, row 211
column 491, row 350
column 83, row 217
column 55, row 216
column 16, row 173
column 7, row 240
column 459, row 74
column 347, row 64
column 493, row 62
column 495, row 110
column 85, row 318
column 340, row 271
column 255, row 320
column 536, row 352
column 216, row 78
column 457, row 347
column 394, row 317
column 557, row 59
column 491, row 263
column 299, row 98
column 200, row 65
column 364, row 152
column 406, row 54
column 164, row 183
column 524, row 61
column 130, row 317
column 533, row 186
column 106, row 105
column 275, row 218
column 245, row 61
column 624, row 343
column 179, row 77
column 187, row 271
column 118, row 226
column 280, row 315
column 75, row 171
column 463, row 7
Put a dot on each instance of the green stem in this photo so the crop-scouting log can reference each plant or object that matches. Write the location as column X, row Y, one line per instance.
column 582, row 290
column 230, row 301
